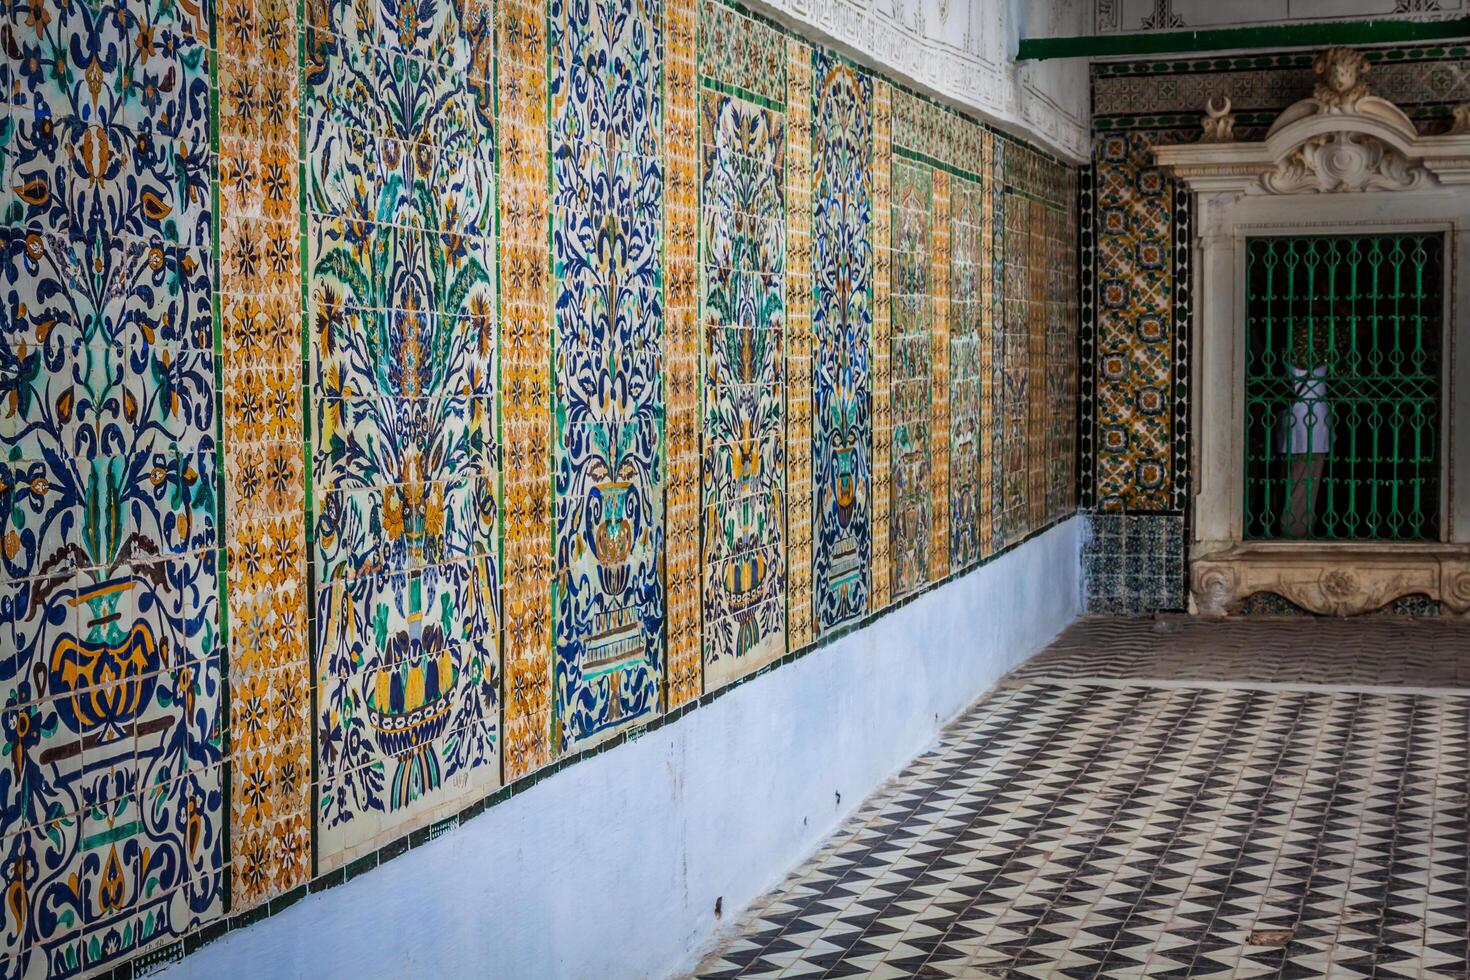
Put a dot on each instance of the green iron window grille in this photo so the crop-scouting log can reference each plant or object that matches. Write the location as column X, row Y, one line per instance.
column 1343, row 383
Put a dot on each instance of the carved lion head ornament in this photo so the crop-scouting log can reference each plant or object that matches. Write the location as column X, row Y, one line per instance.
column 1342, row 84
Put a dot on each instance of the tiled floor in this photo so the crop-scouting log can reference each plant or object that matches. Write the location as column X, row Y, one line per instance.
column 1133, row 816
column 1343, row 654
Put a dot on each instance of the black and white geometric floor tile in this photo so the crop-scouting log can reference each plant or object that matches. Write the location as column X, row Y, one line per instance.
column 1075, row 831
column 1364, row 653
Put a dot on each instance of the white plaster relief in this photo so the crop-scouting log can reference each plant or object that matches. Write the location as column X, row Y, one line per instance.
column 963, row 52
column 1128, row 16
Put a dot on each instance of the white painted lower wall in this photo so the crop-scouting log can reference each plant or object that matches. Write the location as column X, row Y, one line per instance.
column 611, row 868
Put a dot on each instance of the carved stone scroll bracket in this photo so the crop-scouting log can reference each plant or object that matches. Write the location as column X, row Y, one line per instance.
column 1341, row 580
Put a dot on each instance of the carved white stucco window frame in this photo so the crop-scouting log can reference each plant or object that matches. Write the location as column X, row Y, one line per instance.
column 1343, row 161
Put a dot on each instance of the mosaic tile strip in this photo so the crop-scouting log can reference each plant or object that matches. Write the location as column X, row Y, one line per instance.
column 742, row 51
column 682, row 347
column 609, row 461
column 912, row 383
column 1134, row 328
column 800, row 344
column 405, row 458
column 883, row 264
column 1086, row 341
column 939, row 417
column 1183, row 252
column 111, row 677
column 1037, row 255
column 265, row 490
column 968, row 278
column 842, row 324
column 744, row 169
column 525, row 351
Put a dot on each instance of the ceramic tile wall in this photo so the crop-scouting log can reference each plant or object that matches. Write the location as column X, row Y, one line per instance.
column 842, row 326
column 397, row 398
column 607, row 296
column 743, row 298
column 912, row 299
column 113, row 809
column 399, row 284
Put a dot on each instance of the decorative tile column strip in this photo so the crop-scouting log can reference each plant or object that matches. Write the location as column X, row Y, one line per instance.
column 401, row 299
column 989, row 276
column 1003, row 267
column 1061, row 349
column 799, row 516
column 742, row 172
column 882, row 341
column 842, row 330
column 1135, row 340
column 608, row 300
column 939, row 411
column 265, row 458
column 681, row 346
column 525, row 350
column 109, row 487
column 1013, row 368
column 912, row 377
column 1183, row 292
column 967, row 225
column 1038, row 251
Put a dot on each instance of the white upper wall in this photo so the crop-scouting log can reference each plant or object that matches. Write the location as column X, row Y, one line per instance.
column 963, row 52
column 1127, row 16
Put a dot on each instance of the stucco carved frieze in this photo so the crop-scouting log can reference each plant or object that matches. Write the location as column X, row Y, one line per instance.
column 1115, row 16
column 962, row 53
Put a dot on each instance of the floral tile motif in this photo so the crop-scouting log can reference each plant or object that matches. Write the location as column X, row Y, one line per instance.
column 1060, row 449
column 1014, row 369
column 800, row 347
column 912, row 375
column 990, row 284
column 736, row 49
column 682, row 344
column 401, row 292
column 743, row 167
column 842, row 323
column 110, row 644
column 969, row 274
column 939, row 378
column 937, row 132
column 608, row 468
